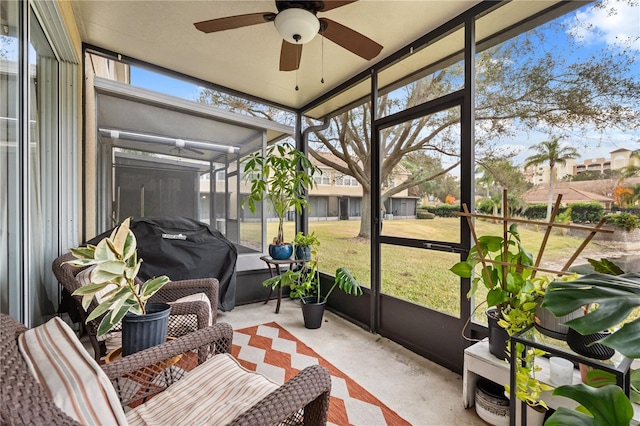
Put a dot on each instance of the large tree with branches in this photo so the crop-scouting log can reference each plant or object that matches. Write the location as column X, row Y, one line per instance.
column 522, row 84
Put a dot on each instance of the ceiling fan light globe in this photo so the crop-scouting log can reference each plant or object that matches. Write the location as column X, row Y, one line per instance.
column 297, row 26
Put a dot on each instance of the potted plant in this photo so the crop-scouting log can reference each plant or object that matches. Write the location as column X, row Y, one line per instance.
column 115, row 266
column 528, row 388
column 306, row 245
column 510, row 300
column 282, row 177
column 544, row 320
column 305, row 284
column 615, row 297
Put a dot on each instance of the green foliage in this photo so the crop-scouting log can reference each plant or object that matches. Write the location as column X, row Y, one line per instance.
column 615, row 297
column 116, row 267
column 309, row 240
column 425, row 215
column 605, row 406
column 485, row 206
column 605, row 266
column 282, row 177
column 586, row 212
column 539, row 211
column 528, row 388
column 305, row 281
column 626, row 221
column 443, row 210
column 505, row 283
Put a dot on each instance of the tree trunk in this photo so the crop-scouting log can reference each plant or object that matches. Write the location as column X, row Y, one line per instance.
column 550, row 200
column 365, row 215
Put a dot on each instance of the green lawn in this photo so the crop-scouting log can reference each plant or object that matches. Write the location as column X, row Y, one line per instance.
column 420, row 276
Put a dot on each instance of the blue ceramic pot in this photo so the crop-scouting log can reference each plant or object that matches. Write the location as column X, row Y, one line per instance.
column 303, row 253
column 281, row 251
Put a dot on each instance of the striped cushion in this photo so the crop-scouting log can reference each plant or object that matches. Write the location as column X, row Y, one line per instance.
column 73, row 380
column 228, row 389
column 198, row 297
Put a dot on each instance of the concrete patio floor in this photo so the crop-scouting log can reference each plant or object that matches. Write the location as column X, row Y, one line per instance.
column 420, row 391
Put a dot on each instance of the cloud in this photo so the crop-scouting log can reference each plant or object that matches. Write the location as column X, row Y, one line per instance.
column 616, row 22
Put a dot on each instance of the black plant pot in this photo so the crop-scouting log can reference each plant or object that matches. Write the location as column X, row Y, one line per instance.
column 140, row 332
column 498, row 336
column 586, row 346
column 312, row 311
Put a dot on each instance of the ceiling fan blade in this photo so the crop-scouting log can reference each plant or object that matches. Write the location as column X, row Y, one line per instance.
column 231, row 22
column 330, row 4
column 290, row 55
column 350, row 39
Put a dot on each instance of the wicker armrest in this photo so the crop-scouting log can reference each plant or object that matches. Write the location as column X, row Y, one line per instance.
column 308, row 390
column 174, row 290
column 207, row 342
column 199, row 309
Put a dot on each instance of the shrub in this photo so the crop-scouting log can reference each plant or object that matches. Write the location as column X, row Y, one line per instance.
column 443, row 210
column 425, row 215
column 485, row 206
column 586, row 212
column 535, row 212
column 627, row 221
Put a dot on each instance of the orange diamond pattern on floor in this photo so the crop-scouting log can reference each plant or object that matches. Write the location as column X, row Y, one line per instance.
column 271, row 350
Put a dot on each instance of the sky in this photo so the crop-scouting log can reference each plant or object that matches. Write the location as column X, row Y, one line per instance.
column 591, row 27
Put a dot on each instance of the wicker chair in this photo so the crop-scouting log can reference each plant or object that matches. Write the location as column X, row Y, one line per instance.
column 185, row 317
column 303, row 399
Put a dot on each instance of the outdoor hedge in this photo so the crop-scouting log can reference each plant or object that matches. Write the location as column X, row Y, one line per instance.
column 586, row 212
column 425, row 215
column 627, row 221
column 443, row 210
column 538, row 211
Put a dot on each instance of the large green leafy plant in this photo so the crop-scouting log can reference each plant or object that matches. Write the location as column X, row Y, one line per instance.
column 115, row 271
column 305, row 282
column 611, row 300
column 506, row 274
column 282, row 176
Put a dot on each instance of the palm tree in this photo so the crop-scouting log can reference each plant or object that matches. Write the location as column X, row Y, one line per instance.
column 554, row 153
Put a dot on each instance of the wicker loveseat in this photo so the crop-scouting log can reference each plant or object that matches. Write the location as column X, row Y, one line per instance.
column 198, row 311
column 215, row 383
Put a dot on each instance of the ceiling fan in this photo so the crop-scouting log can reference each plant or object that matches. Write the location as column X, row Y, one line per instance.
column 298, row 23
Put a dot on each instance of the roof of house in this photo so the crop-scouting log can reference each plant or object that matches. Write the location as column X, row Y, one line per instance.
column 570, row 194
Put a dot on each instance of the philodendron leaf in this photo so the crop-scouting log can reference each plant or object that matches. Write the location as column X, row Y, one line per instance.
column 608, row 406
column 490, row 243
column 462, row 269
column 615, row 296
column 347, row 282
column 496, row 296
column 605, row 266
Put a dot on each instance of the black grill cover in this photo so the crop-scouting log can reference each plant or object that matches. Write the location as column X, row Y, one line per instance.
column 183, row 248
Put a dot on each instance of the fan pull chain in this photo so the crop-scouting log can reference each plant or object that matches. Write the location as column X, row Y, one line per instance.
column 322, row 58
column 298, row 65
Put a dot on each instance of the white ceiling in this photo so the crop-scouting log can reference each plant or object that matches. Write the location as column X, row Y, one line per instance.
column 247, row 59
